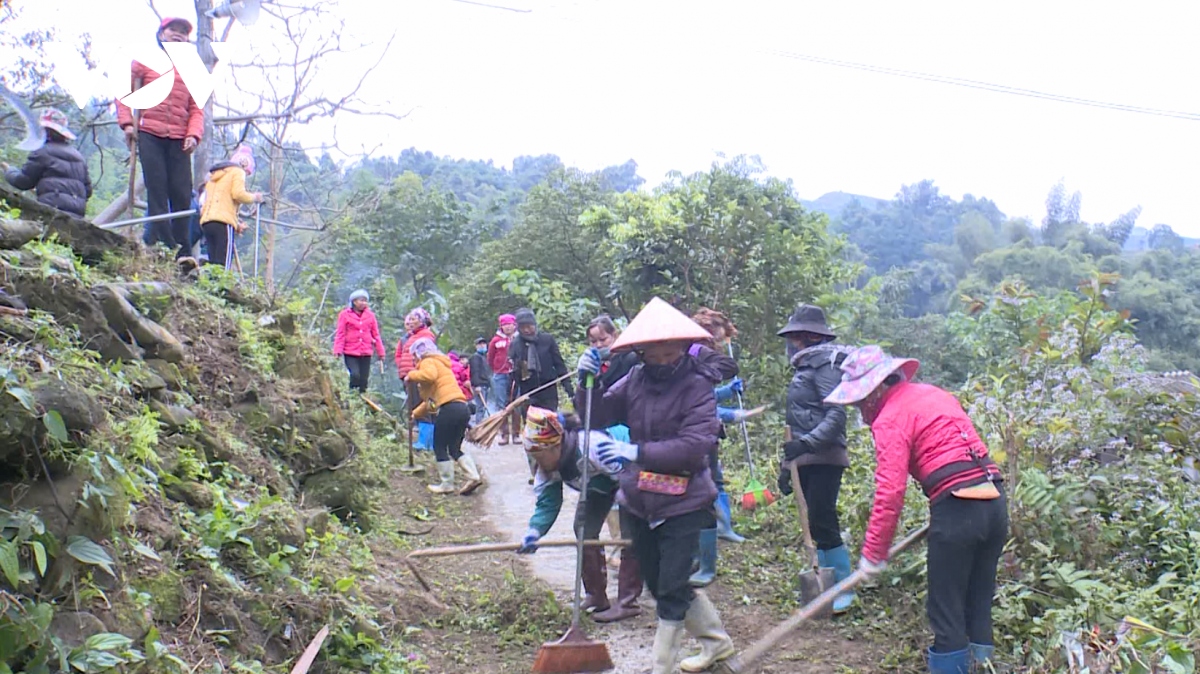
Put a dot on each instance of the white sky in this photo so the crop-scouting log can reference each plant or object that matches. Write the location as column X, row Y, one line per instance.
column 669, row 83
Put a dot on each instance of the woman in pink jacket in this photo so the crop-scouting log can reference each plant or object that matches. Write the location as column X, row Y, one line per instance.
column 921, row 430
column 357, row 336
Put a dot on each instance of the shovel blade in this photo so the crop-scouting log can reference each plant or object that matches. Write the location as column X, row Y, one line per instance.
column 812, row 584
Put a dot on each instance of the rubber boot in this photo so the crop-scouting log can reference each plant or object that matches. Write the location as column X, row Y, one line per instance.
column 668, row 639
column 474, row 479
column 725, row 530
column 980, row 656
column 595, row 581
column 957, row 662
column 446, row 473
column 704, row 623
column 839, row 559
column 629, row 588
column 707, row 572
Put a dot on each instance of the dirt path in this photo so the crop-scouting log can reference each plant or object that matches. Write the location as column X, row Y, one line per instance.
column 509, row 503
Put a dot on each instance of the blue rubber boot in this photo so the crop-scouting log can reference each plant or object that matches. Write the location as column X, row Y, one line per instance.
column 707, row 572
column 957, row 662
column 839, row 559
column 725, row 530
column 981, row 655
column 424, row 436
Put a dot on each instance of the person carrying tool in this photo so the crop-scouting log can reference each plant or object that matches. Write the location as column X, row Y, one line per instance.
column 441, row 395
column 921, row 430
column 666, row 488
column 166, row 136
column 498, row 361
column 356, row 338
column 417, row 325
column 55, row 170
column 555, row 444
column 815, row 437
column 224, row 190
column 481, row 379
column 712, row 352
column 536, row 361
column 601, row 333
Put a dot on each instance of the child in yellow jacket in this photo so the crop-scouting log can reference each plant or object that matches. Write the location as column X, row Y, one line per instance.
column 441, row 395
column 225, row 189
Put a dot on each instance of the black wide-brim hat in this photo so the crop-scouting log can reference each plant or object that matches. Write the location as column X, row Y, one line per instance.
column 807, row 318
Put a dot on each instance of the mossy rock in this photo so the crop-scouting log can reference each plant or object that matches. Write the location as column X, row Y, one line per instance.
column 195, row 494
column 169, row 372
column 74, row 627
column 174, row 418
column 278, row 525
column 78, row 409
column 345, row 494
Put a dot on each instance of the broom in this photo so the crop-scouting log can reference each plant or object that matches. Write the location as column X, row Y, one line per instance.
column 485, row 432
column 756, row 493
column 574, row 652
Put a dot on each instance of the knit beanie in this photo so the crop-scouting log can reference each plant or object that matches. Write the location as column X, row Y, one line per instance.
column 359, row 293
column 423, row 347
column 508, row 319
column 525, row 317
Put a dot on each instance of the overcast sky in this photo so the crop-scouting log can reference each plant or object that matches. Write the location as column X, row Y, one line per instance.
column 670, row 83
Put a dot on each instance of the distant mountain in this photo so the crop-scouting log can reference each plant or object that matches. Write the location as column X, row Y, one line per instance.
column 834, row 203
column 1138, row 240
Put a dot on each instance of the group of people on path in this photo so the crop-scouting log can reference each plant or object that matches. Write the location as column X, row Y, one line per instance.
column 164, row 138
column 651, row 439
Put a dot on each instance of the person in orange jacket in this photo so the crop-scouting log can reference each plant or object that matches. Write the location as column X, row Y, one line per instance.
column 440, row 395
column 225, row 189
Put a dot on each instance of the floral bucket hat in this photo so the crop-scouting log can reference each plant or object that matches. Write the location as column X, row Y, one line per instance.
column 864, row 370
column 543, row 437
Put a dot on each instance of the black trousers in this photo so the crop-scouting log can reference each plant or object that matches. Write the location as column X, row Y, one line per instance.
column 665, row 554
column 167, row 171
column 966, row 539
column 448, row 430
column 592, row 516
column 219, row 237
column 821, row 485
column 360, row 371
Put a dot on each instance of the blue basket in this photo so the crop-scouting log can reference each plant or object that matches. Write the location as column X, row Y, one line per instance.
column 424, row 436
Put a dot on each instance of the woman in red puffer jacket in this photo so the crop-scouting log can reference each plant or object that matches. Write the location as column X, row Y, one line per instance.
column 166, row 135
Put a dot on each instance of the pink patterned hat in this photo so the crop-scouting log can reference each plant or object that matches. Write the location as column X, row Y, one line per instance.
column 864, row 370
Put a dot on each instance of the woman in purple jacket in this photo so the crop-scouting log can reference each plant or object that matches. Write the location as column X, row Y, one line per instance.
column 666, row 488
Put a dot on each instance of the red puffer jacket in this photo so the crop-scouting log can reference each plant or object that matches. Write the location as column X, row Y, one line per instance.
column 404, row 358
column 920, row 430
column 176, row 118
column 357, row 334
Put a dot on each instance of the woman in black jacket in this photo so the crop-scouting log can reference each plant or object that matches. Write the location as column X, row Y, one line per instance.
column 816, row 436
column 56, row 170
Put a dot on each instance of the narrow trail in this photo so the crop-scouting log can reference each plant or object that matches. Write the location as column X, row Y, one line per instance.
column 509, row 503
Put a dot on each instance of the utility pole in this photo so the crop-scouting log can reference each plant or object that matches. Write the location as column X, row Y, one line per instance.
column 202, row 157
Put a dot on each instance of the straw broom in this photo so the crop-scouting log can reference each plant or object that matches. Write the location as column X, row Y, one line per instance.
column 484, row 434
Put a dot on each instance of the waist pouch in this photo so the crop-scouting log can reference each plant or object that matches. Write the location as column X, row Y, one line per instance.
column 658, row 483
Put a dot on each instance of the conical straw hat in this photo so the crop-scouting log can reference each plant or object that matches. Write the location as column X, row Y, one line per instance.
column 659, row 322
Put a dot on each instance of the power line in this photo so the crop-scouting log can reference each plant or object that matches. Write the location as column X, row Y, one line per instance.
column 986, row 86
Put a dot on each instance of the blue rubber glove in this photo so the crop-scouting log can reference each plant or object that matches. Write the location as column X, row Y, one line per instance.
column 614, row 451
column 589, row 362
column 529, row 543
column 737, row 385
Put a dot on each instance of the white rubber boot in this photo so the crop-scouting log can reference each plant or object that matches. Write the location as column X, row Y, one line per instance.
column 446, row 473
column 703, row 622
column 474, row 479
column 667, row 642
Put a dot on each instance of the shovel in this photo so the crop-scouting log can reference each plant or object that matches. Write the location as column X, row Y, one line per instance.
column 411, row 468
column 816, row 580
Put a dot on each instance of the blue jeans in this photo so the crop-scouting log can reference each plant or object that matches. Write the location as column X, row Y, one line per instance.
column 500, row 391
column 483, row 404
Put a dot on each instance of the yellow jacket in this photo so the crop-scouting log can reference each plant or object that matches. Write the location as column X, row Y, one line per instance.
column 436, row 382
column 226, row 188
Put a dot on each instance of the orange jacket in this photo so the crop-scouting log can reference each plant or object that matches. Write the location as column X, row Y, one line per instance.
column 437, row 384
column 176, row 118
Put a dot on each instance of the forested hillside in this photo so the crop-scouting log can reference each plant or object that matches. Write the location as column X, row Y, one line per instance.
column 218, row 498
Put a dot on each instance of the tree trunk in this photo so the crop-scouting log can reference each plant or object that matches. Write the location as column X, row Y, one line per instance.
column 202, row 158
column 276, row 189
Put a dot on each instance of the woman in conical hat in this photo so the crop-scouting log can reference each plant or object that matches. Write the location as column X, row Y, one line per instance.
column 921, row 430
column 554, row 443
column 666, row 490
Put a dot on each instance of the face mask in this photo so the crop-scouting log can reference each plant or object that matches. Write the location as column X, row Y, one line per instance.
column 604, row 352
column 481, row 349
column 661, row 372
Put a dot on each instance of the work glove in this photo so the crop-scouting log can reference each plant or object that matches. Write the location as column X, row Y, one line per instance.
column 610, row 451
column 794, row 449
column 784, row 482
column 871, row 569
column 569, row 388
column 589, row 362
column 529, row 543
column 737, row 385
